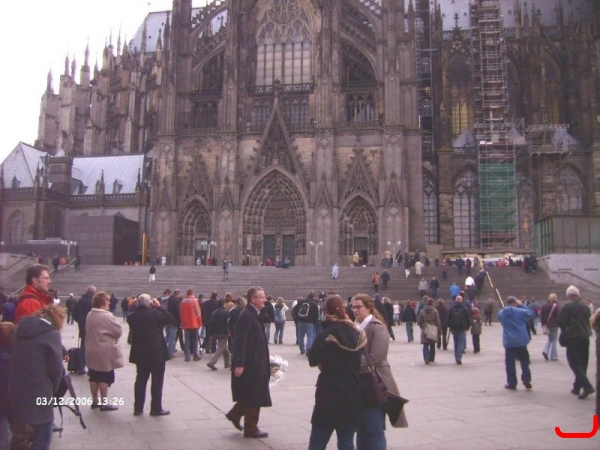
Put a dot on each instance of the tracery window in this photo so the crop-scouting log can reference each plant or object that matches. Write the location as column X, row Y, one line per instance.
column 525, row 197
column 570, row 193
column 466, row 211
column 205, row 114
column 283, row 45
column 16, row 228
column 429, row 210
column 261, row 111
column 360, row 108
column 459, row 75
column 295, row 110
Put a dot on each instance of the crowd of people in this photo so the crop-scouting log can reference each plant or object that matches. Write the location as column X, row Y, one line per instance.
column 347, row 340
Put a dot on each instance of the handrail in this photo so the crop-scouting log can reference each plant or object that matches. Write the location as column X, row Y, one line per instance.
column 49, row 273
column 494, row 288
column 15, row 263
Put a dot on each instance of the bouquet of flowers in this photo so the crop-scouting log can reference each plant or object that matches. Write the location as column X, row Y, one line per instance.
column 278, row 368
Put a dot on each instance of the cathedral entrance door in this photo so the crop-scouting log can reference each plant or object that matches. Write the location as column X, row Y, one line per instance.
column 201, row 251
column 288, row 247
column 361, row 245
column 269, row 248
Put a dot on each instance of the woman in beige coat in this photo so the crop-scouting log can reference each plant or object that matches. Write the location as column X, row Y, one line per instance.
column 429, row 316
column 371, row 433
column 103, row 352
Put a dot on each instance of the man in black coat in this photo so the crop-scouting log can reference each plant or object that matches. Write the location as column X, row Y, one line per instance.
column 267, row 315
column 208, row 307
column 250, row 367
column 459, row 322
column 149, row 352
column 82, row 308
column 172, row 332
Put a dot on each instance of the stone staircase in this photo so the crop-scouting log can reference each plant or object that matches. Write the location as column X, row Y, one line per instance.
column 291, row 283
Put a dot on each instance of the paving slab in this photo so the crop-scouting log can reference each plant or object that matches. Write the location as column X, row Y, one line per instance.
column 451, row 407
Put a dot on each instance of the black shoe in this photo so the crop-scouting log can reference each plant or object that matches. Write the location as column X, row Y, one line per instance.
column 257, row 434
column 138, row 412
column 236, row 423
column 426, row 362
column 575, row 391
column 545, row 355
column 527, row 385
column 212, row 366
column 585, row 393
column 95, row 406
column 162, row 412
column 459, row 362
column 512, row 388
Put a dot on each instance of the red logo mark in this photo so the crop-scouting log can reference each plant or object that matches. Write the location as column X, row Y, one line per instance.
column 565, row 435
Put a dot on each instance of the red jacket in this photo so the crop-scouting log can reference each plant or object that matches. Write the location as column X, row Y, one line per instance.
column 190, row 314
column 30, row 301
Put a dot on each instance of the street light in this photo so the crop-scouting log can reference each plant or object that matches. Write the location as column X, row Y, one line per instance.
column 394, row 244
column 316, row 246
column 69, row 244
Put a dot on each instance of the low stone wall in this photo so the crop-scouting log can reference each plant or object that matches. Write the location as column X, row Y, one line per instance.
column 573, row 268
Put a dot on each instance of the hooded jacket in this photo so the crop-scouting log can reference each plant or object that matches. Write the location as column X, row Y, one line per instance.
column 36, row 370
column 337, row 351
column 514, row 320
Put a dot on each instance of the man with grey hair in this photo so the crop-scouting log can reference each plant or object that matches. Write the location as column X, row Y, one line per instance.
column 575, row 332
column 149, row 352
column 80, row 312
column 515, row 318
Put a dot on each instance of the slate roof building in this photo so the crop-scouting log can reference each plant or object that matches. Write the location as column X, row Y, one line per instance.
column 264, row 127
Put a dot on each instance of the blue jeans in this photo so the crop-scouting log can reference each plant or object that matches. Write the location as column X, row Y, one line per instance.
column 41, row 436
column 371, row 433
column 460, row 343
column 409, row 331
column 279, row 326
column 551, row 344
column 268, row 330
column 308, row 329
column 512, row 354
column 320, row 435
column 429, row 352
column 190, row 339
column 170, row 334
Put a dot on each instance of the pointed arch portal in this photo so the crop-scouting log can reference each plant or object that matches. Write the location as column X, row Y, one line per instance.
column 358, row 231
column 275, row 220
column 194, row 231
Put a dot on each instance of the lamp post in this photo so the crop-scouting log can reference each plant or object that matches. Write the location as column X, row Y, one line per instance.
column 316, row 246
column 69, row 244
column 394, row 244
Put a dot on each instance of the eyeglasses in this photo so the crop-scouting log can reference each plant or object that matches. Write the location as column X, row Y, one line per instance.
column 357, row 307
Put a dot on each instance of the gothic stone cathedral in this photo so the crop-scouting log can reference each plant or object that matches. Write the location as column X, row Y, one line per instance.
column 268, row 127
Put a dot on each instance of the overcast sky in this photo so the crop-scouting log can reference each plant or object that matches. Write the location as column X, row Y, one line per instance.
column 37, row 35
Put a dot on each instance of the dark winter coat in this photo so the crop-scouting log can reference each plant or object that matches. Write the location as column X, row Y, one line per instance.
column 463, row 310
column 208, row 307
column 251, row 351
column 218, row 323
column 574, row 321
column 268, row 313
column 173, row 306
column 36, row 370
column 409, row 315
column 337, row 351
column 389, row 313
column 313, row 312
column 82, row 308
column 476, row 324
column 550, row 320
column 148, row 345
column 443, row 313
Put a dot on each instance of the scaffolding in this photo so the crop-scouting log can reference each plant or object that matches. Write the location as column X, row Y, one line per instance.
column 549, row 148
column 424, row 70
column 497, row 138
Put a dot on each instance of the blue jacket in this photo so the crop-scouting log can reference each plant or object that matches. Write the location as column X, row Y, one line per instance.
column 514, row 320
column 454, row 290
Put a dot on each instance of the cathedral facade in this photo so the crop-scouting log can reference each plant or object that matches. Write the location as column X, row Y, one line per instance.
column 315, row 130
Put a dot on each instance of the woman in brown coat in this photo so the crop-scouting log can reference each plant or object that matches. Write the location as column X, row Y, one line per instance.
column 102, row 350
column 371, row 432
column 429, row 316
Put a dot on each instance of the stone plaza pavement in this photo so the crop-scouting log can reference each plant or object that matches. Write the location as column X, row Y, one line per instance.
column 451, row 407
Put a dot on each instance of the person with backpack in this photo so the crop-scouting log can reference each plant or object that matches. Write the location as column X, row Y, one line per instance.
column 306, row 313
column 459, row 322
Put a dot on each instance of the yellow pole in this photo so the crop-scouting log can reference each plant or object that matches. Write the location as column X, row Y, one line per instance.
column 144, row 248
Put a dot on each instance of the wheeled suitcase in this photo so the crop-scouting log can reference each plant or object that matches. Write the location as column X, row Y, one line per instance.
column 73, row 364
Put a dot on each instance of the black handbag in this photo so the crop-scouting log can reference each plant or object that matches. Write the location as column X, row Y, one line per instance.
column 373, row 389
